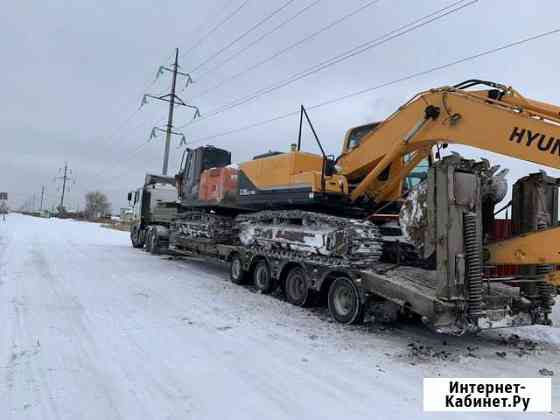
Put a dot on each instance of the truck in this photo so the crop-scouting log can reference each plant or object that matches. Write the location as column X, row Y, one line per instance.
column 389, row 227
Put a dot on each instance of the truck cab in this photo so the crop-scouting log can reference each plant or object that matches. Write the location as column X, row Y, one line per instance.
column 154, row 204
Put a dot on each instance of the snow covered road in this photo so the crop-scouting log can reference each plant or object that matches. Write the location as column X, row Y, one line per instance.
column 93, row 329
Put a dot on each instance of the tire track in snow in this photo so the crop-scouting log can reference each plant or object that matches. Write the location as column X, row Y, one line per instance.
column 148, row 381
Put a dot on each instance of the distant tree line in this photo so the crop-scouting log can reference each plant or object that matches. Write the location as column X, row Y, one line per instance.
column 97, row 205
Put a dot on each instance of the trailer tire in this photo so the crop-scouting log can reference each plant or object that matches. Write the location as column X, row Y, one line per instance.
column 296, row 288
column 263, row 278
column 344, row 302
column 236, row 273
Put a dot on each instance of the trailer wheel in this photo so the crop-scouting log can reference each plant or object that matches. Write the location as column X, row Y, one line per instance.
column 295, row 287
column 345, row 305
column 262, row 277
column 236, row 272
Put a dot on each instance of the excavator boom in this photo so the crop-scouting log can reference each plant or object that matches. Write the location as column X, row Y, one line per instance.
column 540, row 247
column 498, row 121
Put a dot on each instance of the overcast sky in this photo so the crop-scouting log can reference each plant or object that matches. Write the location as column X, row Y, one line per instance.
column 74, row 72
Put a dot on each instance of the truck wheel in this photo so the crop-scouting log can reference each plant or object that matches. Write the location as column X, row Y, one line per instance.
column 141, row 237
column 147, row 239
column 236, row 272
column 295, row 287
column 263, row 278
column 345, row 305
column 134, row 238
column 154, row 242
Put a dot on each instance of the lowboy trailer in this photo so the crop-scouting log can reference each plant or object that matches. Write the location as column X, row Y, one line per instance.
column 449, row 293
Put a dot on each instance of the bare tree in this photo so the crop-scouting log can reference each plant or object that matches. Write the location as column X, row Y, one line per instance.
column 97, row 205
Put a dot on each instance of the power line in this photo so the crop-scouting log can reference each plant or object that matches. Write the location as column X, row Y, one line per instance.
column 212, row 12
column 140, row 126
column 260, row 38
column 216, row 27
column 125, row 155
column 109, row 138
column 117, row 133
column 288, row 48
column 415, row 24
column 128, row 156
column 244, row 34
column 362, row 91
column 380, row 86
column 398, row 32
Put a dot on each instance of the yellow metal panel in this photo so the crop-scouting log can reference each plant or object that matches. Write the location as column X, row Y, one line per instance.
column 541, row 247
column 516, row 127
column 278, row 170
column 305, row 178
column 392, row 188
column 553, row 278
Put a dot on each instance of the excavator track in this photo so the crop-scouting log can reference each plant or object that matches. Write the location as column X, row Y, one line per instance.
column 199, row 225
column 311, row 237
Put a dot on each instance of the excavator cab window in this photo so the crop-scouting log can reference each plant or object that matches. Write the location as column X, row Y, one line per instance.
column 417, row 175
column 357, row 134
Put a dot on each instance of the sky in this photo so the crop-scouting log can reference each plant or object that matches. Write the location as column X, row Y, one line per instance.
column 74, row 72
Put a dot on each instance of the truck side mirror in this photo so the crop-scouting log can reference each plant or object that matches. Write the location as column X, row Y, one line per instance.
column 129, row 196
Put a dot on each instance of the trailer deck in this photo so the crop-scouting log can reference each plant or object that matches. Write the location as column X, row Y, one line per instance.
column 418, row 291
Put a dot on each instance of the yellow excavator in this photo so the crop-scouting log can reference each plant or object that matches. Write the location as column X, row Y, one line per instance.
column 390, row 217
column 377, row 158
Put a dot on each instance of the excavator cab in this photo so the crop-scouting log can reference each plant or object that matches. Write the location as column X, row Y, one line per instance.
column 417, row 175
column 355, row 135
column 193, row 165
column 354, row 139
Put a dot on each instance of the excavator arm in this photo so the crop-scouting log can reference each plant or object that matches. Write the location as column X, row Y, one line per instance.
column 539, row 247
column 498, row 120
